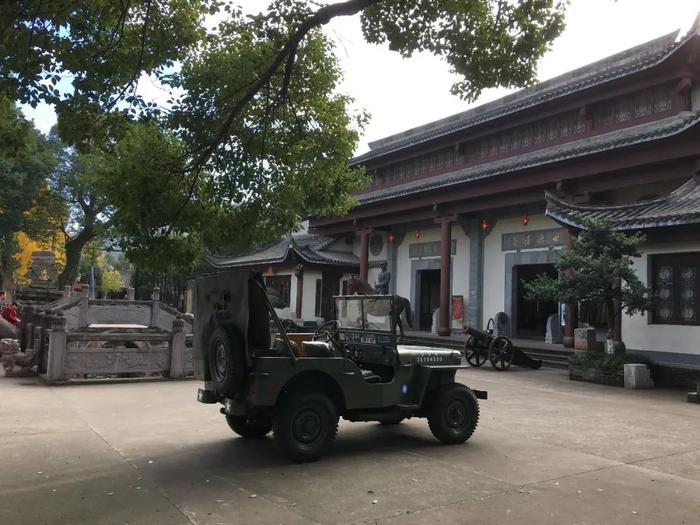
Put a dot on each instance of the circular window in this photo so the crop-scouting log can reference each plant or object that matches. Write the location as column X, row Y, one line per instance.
column 376, row 243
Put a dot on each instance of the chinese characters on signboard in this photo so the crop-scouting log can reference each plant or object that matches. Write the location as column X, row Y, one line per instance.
column 533, row 239
column 428, row 249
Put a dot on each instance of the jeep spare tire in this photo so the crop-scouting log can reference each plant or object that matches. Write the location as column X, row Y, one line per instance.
column 227, row 364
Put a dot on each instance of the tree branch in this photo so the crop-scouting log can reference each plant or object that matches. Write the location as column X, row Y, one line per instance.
column 319, row 18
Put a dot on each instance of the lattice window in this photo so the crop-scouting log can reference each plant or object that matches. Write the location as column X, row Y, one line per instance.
column 280, row 286
column 676, row 288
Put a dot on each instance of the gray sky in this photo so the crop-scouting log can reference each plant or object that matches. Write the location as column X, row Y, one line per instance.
column 403, row 93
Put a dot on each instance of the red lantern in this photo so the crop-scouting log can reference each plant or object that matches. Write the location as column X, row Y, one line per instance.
column 269, row 270
column 525, row 220
column 418, row 234
column 391, row 237
column 484, row 225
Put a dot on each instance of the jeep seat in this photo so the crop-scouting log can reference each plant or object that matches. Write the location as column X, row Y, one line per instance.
column 423, row 355
column 316, row 349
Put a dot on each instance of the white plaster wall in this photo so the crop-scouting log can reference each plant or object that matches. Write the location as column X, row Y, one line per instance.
column 460, row 261
column 403, row 266
column 638, row 334
column 308, row 309
column 494, row 260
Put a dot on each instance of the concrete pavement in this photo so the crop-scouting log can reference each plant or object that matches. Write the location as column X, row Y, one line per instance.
column 547, row 451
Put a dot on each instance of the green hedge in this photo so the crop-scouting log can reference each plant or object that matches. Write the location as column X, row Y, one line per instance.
column 606, row 361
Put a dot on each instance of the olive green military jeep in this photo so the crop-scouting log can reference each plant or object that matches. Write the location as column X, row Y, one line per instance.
column 298, row 385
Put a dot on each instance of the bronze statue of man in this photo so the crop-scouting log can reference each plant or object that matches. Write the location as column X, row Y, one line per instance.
column 384, row 280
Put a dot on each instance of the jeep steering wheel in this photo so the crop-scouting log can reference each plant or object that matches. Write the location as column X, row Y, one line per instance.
column 329, row 329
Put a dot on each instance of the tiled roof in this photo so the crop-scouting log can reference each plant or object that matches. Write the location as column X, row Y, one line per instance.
column 679, row 207
column 633, row 135
column 611, row 68
column 308, row 247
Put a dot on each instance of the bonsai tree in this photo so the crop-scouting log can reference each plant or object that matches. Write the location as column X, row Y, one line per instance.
column 597, row 269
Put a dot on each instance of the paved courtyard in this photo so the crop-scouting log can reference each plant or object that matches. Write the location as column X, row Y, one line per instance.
column 547, row 450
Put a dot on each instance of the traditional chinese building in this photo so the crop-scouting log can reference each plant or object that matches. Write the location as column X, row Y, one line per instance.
column 466, row 209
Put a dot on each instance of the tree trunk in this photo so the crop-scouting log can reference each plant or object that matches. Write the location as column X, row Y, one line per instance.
column 74, row 249
column 610, row 306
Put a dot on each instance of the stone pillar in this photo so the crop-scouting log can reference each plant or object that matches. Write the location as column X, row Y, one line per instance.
column 364, row 255
column 66, row 291
column 25, row 334
column 37, row 346
column 571, row 322
column 58, row 341
column 130, row 293
column 445, row 260
column 84, row 307
column 155, row 306
column 476, row 275
column 177, row 349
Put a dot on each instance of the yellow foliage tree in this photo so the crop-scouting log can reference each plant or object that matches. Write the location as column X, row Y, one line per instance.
column 28, row 245
column 111, row 281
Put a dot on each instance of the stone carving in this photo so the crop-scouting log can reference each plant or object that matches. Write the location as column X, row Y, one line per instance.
column 501, row 324
column 584, row 339
column 43, row 269
column 553, row 335
column 11, row 356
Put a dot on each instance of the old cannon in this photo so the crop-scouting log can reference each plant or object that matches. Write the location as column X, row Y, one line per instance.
column 481, row 346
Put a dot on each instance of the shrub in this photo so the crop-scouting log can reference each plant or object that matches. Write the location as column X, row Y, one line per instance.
column 606, row 361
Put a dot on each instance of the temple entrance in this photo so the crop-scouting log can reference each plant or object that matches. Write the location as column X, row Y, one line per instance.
column 531, row 316
column 330, row 286
column 429, row 299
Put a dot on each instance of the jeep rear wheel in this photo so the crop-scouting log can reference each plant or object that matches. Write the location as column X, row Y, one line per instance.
column 453, row 413
column 305, row 425
column 246, row 428
column 227, row 364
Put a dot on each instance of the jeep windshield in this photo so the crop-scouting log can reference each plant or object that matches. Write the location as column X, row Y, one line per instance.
column 365, row 312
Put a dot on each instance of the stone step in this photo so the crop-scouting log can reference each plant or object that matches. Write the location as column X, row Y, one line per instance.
column 550, row 360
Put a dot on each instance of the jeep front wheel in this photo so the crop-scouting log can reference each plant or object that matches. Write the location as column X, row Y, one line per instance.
column 453, row 413
column 305, row 425
column 249, row 428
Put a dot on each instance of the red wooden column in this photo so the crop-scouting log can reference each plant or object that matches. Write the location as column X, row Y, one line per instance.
column 571, row 308
column 445, row 260
column 364, row 255
column 300, row 290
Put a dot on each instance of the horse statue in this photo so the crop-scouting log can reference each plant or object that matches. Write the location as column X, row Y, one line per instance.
column 401, row 304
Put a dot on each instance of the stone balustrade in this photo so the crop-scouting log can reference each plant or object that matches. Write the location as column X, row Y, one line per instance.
column 80, row 338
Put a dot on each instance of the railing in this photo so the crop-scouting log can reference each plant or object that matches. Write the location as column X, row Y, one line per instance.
column 143, row 338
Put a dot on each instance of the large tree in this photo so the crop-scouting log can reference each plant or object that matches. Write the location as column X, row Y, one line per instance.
column 86, row 56
column 257, row 135
column 26, row 159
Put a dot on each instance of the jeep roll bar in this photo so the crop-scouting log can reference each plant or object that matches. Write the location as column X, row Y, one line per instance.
column 276, row 318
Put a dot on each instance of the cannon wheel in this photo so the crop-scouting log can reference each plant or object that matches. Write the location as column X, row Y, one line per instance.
column 473, row 353
column 501, row 353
